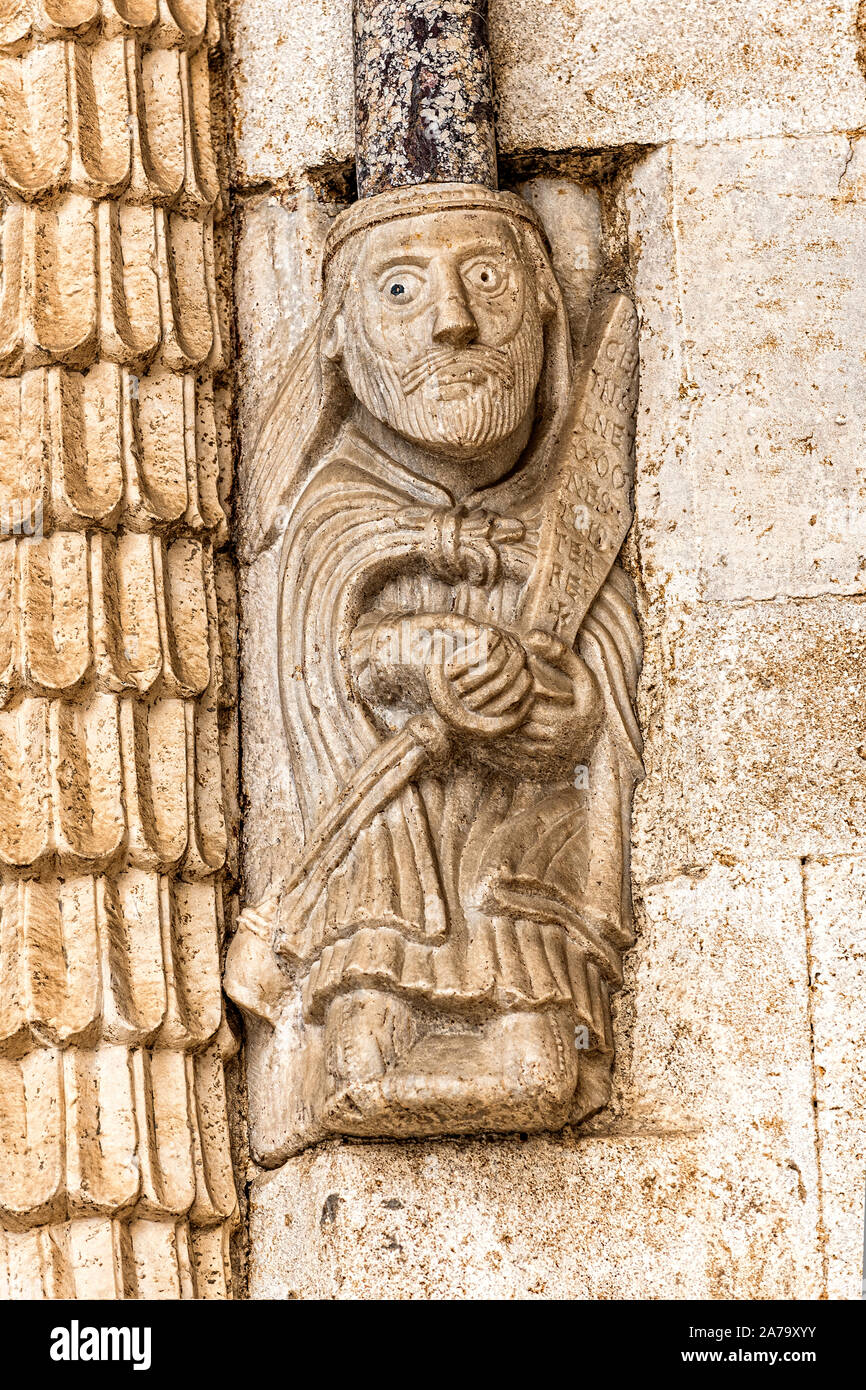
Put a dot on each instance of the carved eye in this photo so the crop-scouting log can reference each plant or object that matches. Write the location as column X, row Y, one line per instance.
column 484, row 277
column 400, row 288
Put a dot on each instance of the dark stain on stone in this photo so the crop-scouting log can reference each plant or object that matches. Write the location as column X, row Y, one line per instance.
column 329, row 1209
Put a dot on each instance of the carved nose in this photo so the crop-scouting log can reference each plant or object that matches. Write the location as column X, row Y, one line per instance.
column 454, row 324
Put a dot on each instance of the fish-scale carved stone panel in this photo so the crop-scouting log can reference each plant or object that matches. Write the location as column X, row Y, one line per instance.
column 83, row 281
column 121, row 1130
column 127, row 611
column 160, row 23
column 117, row 669
column 95, row 1257
column 105, row 447
column 87, row 783
column 105, row 119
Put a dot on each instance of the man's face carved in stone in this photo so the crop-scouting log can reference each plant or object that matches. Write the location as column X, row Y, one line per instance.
column 442, row 334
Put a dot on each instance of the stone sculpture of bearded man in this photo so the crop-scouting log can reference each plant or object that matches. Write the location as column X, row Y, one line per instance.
column 458, row 655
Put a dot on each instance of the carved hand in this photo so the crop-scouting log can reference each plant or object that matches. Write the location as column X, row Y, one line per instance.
column 484, row 690
column 476, row 676
column 563, row 718
column 252, row 977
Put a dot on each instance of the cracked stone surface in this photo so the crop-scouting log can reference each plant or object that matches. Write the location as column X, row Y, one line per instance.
column 835, row 894
column 757, row 735
column 750, row 274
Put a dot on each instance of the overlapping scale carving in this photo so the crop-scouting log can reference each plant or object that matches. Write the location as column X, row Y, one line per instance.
column 117, row 655
column 102, row 119
column 125, row 611
column 107, row 448
column 89, row 785
column 186, row 24
column 87, row 282
column 129, row 959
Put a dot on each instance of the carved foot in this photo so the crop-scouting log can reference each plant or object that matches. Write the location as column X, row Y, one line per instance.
column 515, row 1073
column 366, row 1032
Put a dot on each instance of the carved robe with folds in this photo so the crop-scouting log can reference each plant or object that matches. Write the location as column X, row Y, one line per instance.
column 469, row 890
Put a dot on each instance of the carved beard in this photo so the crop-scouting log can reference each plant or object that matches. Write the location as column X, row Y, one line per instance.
column 450, row 399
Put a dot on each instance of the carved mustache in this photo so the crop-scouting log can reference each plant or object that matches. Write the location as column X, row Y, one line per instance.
column 471, row 361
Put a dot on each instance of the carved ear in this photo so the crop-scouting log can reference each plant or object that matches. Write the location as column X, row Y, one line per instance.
column 334, row 338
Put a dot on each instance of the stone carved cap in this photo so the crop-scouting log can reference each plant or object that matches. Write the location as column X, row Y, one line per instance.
column 421, row 198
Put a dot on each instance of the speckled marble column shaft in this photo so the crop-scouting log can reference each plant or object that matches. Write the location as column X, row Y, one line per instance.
column 423, row 94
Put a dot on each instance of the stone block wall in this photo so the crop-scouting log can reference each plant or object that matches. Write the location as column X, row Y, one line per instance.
column 730, row 1163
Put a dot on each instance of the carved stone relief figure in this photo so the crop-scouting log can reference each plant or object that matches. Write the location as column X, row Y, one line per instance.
column 458, row 654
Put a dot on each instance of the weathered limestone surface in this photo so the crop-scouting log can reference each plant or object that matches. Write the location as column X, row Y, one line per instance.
column 835, row 897
column 751, row 537
column 542, row 1218
column 116, row 697
column 750, row 272
column 279, row 249
column 700, row 1181
column 757, row 735
column 592, row 75
column 277, row 288
column 578, row 76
